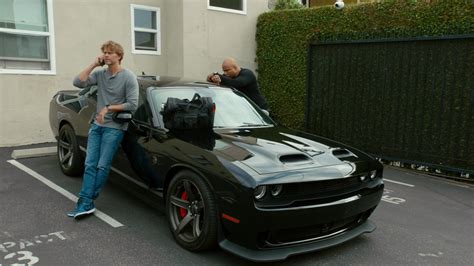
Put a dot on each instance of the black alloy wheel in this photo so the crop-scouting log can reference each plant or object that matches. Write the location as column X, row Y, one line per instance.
column 70, row 158
column 192, row 212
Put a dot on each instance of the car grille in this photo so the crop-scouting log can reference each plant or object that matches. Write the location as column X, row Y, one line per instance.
column 295, row 236
column 322, row 187
column 312, row 193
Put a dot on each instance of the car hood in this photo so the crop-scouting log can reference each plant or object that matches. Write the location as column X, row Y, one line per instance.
column 278, row 149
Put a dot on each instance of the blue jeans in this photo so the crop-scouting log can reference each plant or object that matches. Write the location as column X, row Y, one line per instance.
column 102, row 145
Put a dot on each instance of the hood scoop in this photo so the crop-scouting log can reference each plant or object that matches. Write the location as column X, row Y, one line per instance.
column 294, row 158
column 342, row 154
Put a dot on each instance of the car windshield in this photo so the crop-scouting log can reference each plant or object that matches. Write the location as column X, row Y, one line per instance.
column 233, row 110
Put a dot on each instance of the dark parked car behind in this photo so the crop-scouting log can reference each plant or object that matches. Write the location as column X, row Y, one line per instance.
column 255, row 188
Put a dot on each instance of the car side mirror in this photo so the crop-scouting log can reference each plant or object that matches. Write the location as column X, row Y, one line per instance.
column 122, row 116
column 142, row 130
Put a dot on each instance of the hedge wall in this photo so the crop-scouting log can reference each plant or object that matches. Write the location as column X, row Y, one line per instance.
column 283, row 39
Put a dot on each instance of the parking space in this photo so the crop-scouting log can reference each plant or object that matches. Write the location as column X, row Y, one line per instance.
column 35, row 228
column 421, row 220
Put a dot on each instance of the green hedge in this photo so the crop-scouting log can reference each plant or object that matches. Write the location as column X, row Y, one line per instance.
column 283, row 39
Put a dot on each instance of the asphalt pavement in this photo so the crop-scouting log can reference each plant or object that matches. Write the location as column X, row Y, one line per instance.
column 422, row 220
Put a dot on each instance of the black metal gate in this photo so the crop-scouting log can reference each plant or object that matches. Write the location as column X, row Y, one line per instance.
column 407, row 100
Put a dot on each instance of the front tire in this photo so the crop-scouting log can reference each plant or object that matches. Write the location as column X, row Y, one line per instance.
column 191, row 212
column 70, row 158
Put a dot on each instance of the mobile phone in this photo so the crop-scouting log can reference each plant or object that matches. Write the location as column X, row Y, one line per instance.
column 101, row 62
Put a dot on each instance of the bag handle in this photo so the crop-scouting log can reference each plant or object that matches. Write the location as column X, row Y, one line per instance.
column 195, row 101
column 196, row 97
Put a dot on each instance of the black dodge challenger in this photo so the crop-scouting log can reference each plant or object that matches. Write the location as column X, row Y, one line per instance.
column 255, row 188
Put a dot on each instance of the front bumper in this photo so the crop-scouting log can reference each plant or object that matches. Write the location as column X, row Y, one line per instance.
column 269, row 255
column 274, row 234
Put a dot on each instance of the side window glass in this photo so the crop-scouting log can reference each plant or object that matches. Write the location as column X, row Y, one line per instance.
column 142, row 113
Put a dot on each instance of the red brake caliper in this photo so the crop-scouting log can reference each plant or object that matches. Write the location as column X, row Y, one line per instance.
column 183, row 211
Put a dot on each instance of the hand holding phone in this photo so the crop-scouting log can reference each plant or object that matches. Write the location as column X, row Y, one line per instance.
column 100, row 61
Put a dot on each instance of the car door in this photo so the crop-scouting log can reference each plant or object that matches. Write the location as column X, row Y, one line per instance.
column 134, row 160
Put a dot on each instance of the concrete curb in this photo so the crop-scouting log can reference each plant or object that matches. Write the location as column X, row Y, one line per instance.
column 36, row 152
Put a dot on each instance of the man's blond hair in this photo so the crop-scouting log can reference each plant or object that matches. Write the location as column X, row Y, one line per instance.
column 114, row 47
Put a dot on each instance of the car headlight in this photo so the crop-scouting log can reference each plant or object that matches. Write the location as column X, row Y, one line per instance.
column 369, row 176
column 275, row 190
column 260, row 192
column 373, row 174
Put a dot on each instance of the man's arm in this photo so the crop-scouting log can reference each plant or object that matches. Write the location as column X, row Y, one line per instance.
column 131, row 98
column 244, row 79
column 85, row 78
column 131, row 101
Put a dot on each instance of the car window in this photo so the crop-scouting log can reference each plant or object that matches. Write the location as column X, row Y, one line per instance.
column 233, row 109
column 142, row 114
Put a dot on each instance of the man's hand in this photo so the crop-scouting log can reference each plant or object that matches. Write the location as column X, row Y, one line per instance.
column 99, row 61
column 209, row 77
column 101, row 115
column 214, row 77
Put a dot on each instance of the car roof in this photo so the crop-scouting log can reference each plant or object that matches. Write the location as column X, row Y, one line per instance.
column 170, row 81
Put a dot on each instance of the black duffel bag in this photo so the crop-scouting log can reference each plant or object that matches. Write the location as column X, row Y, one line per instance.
column 184, row 114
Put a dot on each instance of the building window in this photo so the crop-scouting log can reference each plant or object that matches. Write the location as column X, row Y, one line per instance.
column 146, row 37
column 233, row 6
column 27, row 37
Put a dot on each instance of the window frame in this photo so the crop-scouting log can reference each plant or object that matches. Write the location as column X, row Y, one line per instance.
column 157, row 31
column 50, row 43
column 229, row 10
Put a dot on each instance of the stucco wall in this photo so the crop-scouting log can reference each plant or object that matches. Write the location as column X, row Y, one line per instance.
column 24, row 108
column 172, row 28
column 80, row 29
column 195, row 40
column 210, row 36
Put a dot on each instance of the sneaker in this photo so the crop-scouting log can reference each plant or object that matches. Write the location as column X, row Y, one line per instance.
column 81, row 210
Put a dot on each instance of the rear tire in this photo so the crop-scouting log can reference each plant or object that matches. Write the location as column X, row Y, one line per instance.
column 192, row 212
column 70, row 158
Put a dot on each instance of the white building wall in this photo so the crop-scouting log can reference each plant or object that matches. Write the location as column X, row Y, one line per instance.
column 210, row 36
column 80, row 29
column 172, row 29
column 195, row 40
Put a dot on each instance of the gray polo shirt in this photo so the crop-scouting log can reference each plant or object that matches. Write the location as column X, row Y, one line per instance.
column 121, row 88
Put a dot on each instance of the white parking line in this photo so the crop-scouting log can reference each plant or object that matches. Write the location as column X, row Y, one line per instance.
column 104, row 217
column 397, row 182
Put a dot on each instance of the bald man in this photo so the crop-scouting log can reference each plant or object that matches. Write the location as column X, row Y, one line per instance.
column 241, row 79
